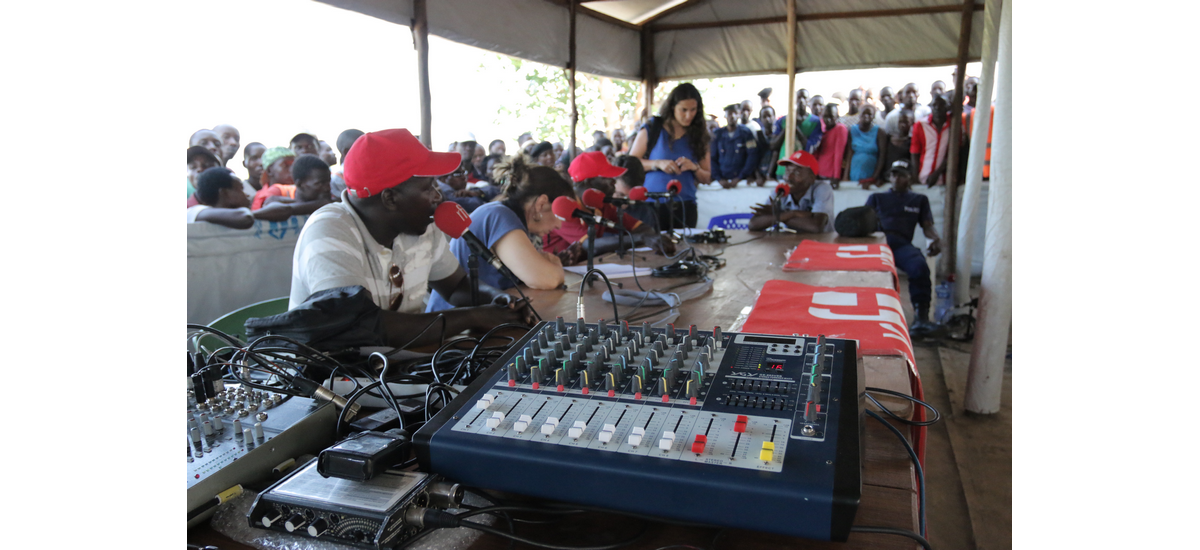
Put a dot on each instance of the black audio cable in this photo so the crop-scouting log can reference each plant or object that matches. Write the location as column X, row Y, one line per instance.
column 936, row 415
column 916, row 464
column 892, row 531
column 579, row 300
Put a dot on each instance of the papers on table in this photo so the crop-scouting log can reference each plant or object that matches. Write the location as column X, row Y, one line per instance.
column 612, row 271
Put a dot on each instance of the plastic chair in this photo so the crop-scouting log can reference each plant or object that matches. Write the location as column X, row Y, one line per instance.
column 234, row 322
column 730, row 221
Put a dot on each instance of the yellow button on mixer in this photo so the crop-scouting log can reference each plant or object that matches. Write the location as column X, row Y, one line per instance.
column 768, row 451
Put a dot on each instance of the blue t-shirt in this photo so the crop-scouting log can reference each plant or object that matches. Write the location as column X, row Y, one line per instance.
column 668, row 149
column 489, row 223
column 899, row 213
column 819, row 198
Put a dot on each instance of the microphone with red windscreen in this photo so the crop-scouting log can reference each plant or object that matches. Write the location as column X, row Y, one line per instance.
column 455, row 222
column 674, row 187
column 565, row 208
column 593, row 198
column 640, row 193
column 782, row 190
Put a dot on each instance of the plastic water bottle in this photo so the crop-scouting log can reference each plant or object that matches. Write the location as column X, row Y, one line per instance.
column 945, row 301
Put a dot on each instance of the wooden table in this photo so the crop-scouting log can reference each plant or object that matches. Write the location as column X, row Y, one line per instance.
column 889, row 497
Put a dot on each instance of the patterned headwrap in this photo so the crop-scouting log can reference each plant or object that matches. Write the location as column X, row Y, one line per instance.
column 273, row 154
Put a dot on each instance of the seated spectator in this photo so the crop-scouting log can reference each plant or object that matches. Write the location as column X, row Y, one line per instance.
column 345, row 140
column 466, row 148
column 277, row 170
column 899, row 212
column 453, row 187
column 808, row 208
column 733, row 150
column 543, row 154
column 379, row 238
column 310, row 192
column 231, row 141
column 305, row 144
column 866, row 141
column 506, row 225
column 252, row 161
column 930, row 142
column 199, row 159
column 832, row 150
column 591, row 170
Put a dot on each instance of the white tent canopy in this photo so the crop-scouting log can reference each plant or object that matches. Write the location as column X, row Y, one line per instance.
column 698, row 38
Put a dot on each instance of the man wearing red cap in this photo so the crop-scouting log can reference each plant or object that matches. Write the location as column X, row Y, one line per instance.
column 592, row 170
column 808, row 207
column 379, row 238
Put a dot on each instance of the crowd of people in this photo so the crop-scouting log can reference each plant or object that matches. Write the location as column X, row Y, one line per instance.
column 371, row 207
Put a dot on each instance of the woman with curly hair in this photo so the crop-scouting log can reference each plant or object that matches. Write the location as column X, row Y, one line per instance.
column 679, row 151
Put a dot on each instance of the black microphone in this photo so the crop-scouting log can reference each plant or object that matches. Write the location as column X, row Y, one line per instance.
column 564, row 208
column 455, row 222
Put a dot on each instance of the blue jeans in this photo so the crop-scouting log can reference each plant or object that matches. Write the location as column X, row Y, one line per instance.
column 911, row 261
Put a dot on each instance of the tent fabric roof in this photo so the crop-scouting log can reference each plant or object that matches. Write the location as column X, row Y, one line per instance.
column 689, row 41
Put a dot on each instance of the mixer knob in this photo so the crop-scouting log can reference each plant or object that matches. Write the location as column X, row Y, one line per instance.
column 671, row 332
column 647, row 333
column 550, row 425
column 543, row 340
column 580, row 326
column 577, row 430
column 535, row 376
column 623, row 329
column 635, row 436
column 667, row 440
column 191, row 424
column 512, row 373
column 237, row 428
column 536, row 347
column 560, row 376
column 560, row 324
column 606, row 433
column 271, row 517
column 602, row 326
column 248, row 437
column 522, row 423
column 767, row 452
column 258, row 431
column 486, row 402
column 208, row 428
column 261, row 417
column 194, row 434
column 740, row 425
column 295, row 522
column 217, row 424
column 495, row 420
column 609, row 382
column 318, row 527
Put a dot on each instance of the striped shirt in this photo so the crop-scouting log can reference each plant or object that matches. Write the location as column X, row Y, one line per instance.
column 335, row 250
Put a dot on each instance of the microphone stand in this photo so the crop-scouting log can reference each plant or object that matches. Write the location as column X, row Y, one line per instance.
column 473, row 274
column 591, row 251
column 775, row 213
column 621, row 234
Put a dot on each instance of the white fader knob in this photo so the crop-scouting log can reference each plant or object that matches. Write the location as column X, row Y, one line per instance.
column 668, row 439
column 550, row 425
column 495, row 420
column 577, row 429
column 522, row 423
column 635, row 437
column 486, row 402
column 607, row 432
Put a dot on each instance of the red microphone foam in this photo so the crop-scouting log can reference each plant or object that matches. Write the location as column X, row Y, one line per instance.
column 451, row 219
column 637, row 193
column 674, row 186
column 782, row 189
column 564, row 207
column 593, row 198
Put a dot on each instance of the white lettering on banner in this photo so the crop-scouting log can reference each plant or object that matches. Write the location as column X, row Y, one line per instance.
column 885, row 254
column 899, row 335
column 835, row 299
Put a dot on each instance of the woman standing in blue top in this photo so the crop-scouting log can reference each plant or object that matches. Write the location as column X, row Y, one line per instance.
column 678, row 152
column 506, row 224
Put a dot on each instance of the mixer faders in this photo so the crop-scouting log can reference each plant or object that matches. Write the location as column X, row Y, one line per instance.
column 582, row 412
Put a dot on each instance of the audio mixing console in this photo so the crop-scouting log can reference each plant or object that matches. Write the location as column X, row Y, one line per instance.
column 741, row 430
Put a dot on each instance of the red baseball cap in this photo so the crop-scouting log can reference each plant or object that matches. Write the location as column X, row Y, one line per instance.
column 593, row 164
column 384, row 159
column 799, row 158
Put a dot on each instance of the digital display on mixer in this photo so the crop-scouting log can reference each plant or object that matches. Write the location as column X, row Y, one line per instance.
column 774, row 366
column 768, row 340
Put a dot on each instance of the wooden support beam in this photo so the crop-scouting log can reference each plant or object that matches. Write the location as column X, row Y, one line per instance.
column 813, row 17
column 572, row 8
column 950, row 212
column 596, row 15
column 789, row 142
column 649, row 75
column 420, row 32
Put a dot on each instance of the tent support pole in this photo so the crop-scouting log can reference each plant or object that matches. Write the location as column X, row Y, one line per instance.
column 571, row 68
column 649, row 77
column 790, row 135
column 979, row 141
column 985, row 377
column 950, row 211
column 420, row 31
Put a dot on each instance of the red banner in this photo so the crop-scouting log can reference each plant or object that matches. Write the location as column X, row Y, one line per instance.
column 815, row 256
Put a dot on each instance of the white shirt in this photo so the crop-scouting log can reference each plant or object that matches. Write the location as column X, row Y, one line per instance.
column 194, row 211
column 335, row 250
column 920, row 112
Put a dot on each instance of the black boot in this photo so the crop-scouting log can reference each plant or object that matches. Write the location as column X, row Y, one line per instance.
column 921, row 326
